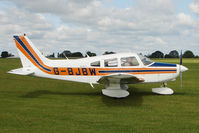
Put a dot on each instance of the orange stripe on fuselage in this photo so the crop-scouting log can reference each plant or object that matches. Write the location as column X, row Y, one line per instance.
column 95, row 71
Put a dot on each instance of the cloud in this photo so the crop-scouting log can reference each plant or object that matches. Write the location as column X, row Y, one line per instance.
column 17, row 21
column 194, row 7
column 146, row 26
column 185, row 19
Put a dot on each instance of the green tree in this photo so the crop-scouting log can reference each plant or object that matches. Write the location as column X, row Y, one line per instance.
column 4, row 54
column 76, row 54
column 188, row 54
column 174, row 54
column 107, row 52
column 90, row 53
column 157, row 54
column 167, row 56
column 64, row 54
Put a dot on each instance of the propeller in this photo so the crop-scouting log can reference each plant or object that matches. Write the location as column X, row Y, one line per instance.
column 180, row 69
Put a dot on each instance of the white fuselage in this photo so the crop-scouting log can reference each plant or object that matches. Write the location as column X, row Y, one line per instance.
column 86, row 63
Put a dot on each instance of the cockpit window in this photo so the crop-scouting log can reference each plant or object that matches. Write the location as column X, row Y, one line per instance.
column 146, row 61
column 111, row 62
column 129, row 61
column 95, row 64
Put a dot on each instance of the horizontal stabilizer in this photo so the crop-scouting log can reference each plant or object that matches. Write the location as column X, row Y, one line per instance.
column 22, row 71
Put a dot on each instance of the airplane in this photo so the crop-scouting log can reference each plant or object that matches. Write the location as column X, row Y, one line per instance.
column 115, row 71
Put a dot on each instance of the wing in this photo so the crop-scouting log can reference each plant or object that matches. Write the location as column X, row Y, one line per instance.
column 123, row 78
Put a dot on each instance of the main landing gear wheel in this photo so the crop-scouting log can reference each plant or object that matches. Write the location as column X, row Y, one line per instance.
column 116, row 90
column 163, row 90
column 116, row 93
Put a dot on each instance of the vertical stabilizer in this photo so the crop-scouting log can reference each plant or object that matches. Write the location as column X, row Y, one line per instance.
column 30, row 56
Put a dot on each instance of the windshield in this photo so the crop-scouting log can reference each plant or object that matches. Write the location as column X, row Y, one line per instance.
column 146, row 61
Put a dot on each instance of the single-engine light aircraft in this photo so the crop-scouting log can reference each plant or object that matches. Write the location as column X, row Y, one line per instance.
column 115, row 71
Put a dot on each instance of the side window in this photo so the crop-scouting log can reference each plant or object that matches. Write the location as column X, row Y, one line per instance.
column 129, row 61
column 111, row 62
column 95, row 64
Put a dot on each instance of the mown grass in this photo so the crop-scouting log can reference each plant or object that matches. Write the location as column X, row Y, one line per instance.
column 31, row 104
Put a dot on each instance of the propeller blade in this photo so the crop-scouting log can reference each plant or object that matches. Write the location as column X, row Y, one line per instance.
column 181, row 57
column 180, row 69
column 181, row 80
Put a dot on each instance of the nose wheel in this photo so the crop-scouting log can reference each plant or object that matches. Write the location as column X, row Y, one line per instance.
column 163, row 90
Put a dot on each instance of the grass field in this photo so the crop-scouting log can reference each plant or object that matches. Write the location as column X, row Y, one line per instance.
column 37, row 105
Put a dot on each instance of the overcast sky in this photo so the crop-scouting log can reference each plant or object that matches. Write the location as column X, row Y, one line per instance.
column 141, row 26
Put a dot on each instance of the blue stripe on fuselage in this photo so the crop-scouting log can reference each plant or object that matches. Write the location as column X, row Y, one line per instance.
column 129, row 71
column 156, row 64
column 27, row 50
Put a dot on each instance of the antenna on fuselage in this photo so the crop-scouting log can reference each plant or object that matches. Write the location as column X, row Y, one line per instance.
column 65, row 56
column 87, row 56
column 91, row 85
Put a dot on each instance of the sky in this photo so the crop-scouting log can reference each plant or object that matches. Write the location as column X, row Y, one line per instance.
column 140, row 26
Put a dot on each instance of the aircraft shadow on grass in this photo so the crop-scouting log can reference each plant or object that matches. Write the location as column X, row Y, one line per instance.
column 38, row 93
column 134, row 99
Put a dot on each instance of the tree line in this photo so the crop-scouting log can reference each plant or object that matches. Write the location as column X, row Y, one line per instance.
column 172, row 54
column 69, row 54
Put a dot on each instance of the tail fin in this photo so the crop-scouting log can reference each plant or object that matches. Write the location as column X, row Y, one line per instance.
column 29, row 55
column 26, row 49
